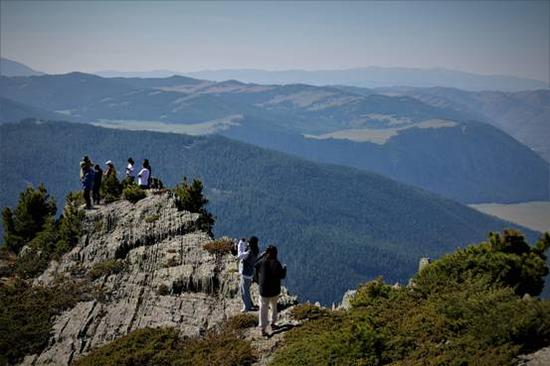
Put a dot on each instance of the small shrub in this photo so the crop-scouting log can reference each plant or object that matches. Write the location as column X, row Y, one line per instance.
column 98, row 225
column 106, row 268
column 151, row 218
column 164, row 346
column 163, row 290
column 70, row 223
column 189, row 197
column 307, row 311
column 172, row 262
column 133, row 193
column 219, row 247
column 241, row 321
column 111, row 189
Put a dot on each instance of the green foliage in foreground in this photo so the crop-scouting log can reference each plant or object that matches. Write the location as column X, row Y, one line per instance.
column 26, row 315
column 33, row 233
column 463, row 309
column 34, row 209
column 163, row 346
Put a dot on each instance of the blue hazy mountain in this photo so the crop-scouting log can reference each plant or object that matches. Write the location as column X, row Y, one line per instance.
column 524, row 115
column 11, row 111
column 434, row 147
column 335, row 226
column 14, row 68
column 372, row 77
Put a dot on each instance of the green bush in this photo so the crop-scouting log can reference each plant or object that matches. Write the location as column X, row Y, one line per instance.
column 33, row 210
column 27, row 313
column 70, row 223
column 241, row 321
column 307, row 311
column 459, row 312
column 163, row 346
column 189, row 197
column 111, row 189
column 133, row 193
column 506, row 259
column 106, row 268
column 151, row 218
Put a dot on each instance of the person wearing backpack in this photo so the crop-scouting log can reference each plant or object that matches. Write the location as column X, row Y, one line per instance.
column 87, row 181
column 247, row 254
column 270, row 273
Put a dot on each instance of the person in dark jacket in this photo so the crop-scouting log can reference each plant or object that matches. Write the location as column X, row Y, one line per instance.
column 98, row 174
column 247, row 254
column 87, row 181
column 270, row 273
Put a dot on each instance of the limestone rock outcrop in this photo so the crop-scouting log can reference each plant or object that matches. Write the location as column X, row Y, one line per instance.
column 149, row 262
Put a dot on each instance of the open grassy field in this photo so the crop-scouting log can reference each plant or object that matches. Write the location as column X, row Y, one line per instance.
column 534, row 215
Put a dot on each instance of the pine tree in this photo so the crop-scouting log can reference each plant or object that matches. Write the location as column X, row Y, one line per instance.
column 34, row 209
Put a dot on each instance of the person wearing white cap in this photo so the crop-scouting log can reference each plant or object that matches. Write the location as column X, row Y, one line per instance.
column 110, row 169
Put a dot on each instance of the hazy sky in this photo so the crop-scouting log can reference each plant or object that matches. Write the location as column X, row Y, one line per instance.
column 504, row 37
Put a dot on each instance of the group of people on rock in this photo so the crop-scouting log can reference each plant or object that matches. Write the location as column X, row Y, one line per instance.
column 267, row 271
column 91, row 176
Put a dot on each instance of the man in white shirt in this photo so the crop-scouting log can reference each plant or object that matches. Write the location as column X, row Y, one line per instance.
column 143, row 178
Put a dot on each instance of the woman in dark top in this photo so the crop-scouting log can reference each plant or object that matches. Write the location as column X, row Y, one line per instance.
column 270, row 273
column 98, row 174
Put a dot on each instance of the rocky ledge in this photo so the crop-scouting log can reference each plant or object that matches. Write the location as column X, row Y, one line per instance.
column 148, row 262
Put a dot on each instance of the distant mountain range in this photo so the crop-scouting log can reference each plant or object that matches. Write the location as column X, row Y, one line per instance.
column 335, row 226
column 14, row 68
column 438, row 147
column 369, row 77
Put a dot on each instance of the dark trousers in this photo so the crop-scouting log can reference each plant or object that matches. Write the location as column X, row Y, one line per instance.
column 87, row 198
column 95, row 196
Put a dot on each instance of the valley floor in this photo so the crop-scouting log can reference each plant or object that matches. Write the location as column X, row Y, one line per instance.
column 534, row 215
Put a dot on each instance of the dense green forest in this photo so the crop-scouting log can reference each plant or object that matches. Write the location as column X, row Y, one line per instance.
column 336, row 227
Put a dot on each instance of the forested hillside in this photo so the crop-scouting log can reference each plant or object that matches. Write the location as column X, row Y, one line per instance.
column 428, row 142
column 336, row 226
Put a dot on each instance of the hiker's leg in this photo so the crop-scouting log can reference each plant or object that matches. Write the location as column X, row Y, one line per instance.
column 87, row 198
column 264, row 306
column 245, row 293
column 273, row 305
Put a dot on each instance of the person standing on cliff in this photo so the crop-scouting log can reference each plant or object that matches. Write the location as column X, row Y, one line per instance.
column 247, row 253
column 270, row 273
column 144, row 175
column 87, row 181
column 130, row 171
column 98, row 174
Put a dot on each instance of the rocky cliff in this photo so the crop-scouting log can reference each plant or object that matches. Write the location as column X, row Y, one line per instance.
column 147, row 261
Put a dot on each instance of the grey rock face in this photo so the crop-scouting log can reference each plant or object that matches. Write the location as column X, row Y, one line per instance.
column 165, row 278
column 539, row 358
